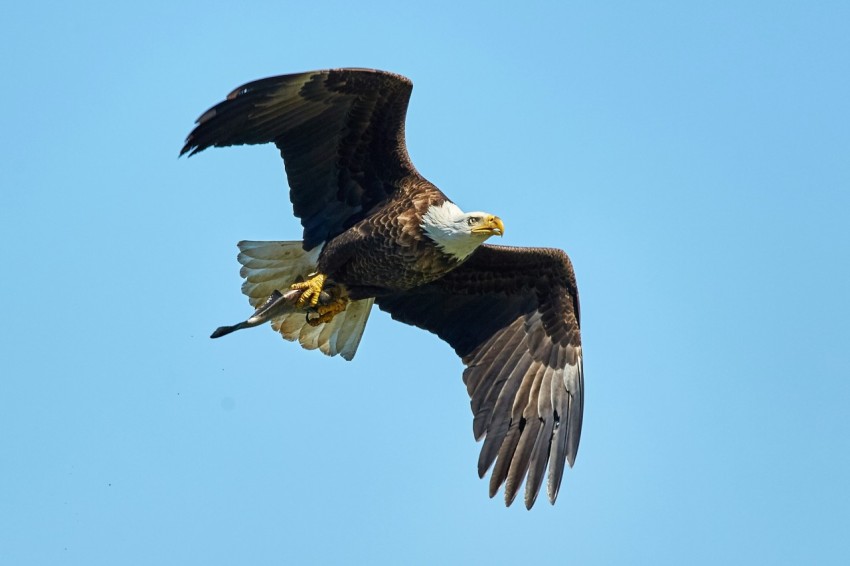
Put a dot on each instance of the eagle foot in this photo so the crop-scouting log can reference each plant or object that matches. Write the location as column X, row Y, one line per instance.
column 326, row 311
column 310, row 289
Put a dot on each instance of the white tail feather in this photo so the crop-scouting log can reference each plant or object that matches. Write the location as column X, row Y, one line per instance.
column 270, row 266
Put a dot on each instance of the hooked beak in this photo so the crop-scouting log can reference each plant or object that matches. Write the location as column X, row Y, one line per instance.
column 492, row 226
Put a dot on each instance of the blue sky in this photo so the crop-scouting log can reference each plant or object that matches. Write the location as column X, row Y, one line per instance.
column 692, row 158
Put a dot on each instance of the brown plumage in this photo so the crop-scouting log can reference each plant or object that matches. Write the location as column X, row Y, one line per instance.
column 375, row 226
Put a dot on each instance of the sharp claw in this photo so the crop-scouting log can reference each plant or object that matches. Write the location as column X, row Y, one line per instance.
column 311, row 290
column 327, row 311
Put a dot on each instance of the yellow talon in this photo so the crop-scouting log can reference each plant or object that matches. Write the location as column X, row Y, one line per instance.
column 328, row 312
column 337, row 304
column 311, row 289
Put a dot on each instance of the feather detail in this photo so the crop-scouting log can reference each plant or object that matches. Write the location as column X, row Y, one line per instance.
column 271, row 266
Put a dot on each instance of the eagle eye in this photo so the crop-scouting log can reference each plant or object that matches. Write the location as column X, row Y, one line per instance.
column 473, row 220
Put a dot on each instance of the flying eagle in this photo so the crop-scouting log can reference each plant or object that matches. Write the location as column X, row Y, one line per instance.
column 377, row 232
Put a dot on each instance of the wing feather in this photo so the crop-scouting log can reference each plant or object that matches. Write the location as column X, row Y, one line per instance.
column 528, row 439
column 512, row 315
column 540, row 453
column 501, row 418
column 340, row 133
column 492, row 355
column 558, row 450
column 503, row 460
column 502, row 353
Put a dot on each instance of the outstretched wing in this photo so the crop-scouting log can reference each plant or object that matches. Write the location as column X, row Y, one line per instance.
column 512, row 315
column 340, row 133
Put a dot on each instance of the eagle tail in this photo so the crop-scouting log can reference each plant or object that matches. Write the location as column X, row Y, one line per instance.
column 270, row 267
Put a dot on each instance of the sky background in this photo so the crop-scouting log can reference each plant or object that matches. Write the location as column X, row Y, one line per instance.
column 693, row 158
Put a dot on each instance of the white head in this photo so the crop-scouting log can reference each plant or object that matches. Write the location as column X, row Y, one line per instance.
column 458, row 233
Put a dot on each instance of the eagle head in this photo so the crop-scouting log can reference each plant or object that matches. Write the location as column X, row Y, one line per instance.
column 458, row 233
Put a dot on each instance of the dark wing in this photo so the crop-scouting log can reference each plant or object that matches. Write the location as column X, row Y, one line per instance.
column 512, row 315
column 340, row 132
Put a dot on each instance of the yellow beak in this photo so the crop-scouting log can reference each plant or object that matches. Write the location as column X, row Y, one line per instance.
column 492, row 226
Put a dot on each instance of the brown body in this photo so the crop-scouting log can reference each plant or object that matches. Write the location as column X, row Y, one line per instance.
column 387, row 251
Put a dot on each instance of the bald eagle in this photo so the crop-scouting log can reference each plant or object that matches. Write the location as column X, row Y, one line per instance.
column 377, row 232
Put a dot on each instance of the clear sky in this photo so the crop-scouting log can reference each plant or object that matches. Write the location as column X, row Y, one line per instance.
column 693, row 158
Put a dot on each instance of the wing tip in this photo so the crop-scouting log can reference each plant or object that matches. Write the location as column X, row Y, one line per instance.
column 188, row 148
column 191, row 147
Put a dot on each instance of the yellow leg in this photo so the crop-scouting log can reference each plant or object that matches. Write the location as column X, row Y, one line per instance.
column 312, row 288
column 327, row 311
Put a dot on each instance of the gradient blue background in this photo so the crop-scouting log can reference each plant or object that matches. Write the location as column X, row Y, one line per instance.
column 692, row 158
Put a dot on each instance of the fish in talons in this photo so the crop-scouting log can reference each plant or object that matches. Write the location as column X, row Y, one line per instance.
column 278, row 304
